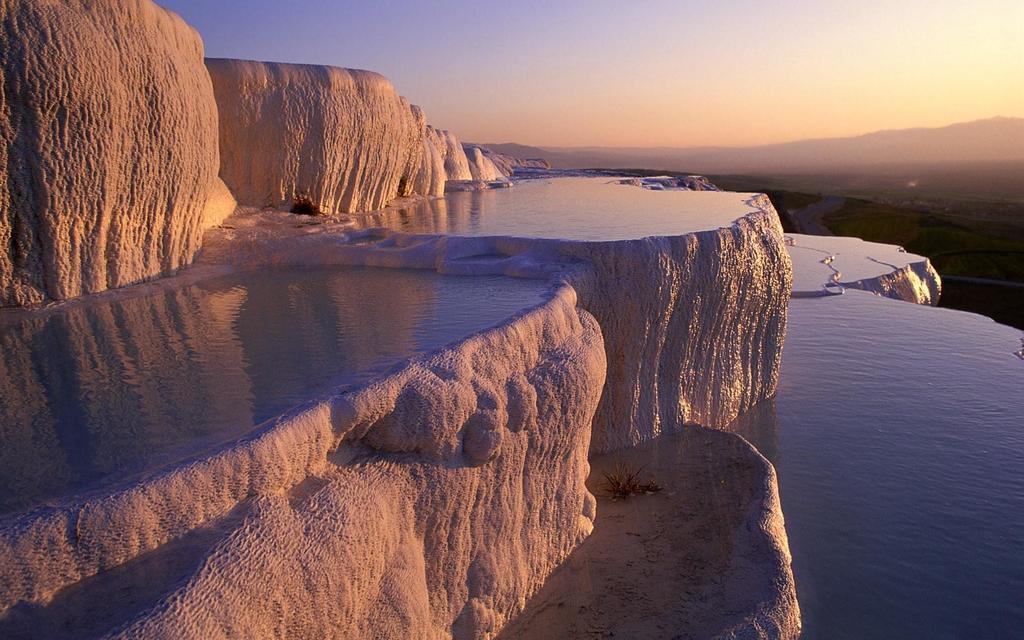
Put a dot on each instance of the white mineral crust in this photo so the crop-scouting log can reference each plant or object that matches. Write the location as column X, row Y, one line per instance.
column 108, row 147
column 825, row 265
column 342, row 138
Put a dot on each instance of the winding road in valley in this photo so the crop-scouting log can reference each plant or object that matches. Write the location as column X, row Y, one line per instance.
column 809, row 219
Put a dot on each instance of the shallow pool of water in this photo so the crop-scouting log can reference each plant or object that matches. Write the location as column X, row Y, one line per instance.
column 898, row 435
column 98, row 392
column 569, row 208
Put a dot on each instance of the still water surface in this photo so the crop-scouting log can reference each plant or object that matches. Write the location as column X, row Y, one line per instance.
column 898, row 436
column 571, row 209
column 98, row 392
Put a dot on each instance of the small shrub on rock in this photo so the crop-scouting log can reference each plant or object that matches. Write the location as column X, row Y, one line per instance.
column 623, row 483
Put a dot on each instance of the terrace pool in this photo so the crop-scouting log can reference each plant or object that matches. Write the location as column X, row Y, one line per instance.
column 105, row 391
column 570, row 209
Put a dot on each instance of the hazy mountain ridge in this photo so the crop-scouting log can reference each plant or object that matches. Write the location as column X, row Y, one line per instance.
column 997, row 139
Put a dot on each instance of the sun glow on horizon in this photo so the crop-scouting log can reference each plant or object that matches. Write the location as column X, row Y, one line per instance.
column 657, row 73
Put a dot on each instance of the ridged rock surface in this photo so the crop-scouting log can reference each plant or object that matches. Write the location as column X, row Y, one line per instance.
column 434, row 501
column 456, row 164
column 342, row 138
column 694, row 323
column 108, row 146
column 431, row 177
column 481, row 167
column 507, row 164
column 434, row 524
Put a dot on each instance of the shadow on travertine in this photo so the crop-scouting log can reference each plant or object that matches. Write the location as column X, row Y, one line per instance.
column 94, row 606
column 679, row 563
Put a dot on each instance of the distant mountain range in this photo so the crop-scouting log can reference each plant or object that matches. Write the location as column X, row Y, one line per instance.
column 992, row 140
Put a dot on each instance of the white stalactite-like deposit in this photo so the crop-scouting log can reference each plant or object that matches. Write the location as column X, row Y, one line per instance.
column 108, row 147
column 342, row 138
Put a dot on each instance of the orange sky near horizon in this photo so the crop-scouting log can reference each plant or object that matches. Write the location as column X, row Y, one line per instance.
column 847, row 77
column 655, row 72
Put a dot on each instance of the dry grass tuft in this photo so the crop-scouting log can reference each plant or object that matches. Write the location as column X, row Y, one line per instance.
column 623, row 483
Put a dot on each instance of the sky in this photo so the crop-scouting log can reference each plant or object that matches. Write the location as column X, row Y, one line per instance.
column 652, row 73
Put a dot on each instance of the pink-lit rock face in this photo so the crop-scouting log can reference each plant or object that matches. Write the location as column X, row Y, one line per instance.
column 481, row 167
column 431, row 177
column 342, row 138
column 108, row 147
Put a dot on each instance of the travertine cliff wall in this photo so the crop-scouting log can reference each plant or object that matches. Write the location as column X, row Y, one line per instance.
column 342, row 138
column 445, row 159
column 507, row 164
column 481, row 167
column 108, row 146
column 431, row 177
column 456, row 164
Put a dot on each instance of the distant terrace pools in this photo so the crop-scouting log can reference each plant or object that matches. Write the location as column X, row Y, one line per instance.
column 108, row 389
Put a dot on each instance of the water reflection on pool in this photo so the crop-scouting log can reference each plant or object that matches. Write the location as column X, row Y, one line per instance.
column 898, row 435
column 569, row 208
column 96, row 392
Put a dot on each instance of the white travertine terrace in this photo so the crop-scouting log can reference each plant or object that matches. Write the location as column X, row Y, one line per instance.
column 824, row 265
column 661, row 183
column 481, row 167
column 507, row 164
column 433, row 501
column 478, row 454
column 459, row 485
column 108, row 147
column 501, row 421
column 456, row 164
column 693, row 322
column 342, row 138
column 432, row 177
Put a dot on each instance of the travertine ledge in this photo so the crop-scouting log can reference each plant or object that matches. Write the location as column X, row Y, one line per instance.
column 693, row 324
column 825, row 265
column 502, row 420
